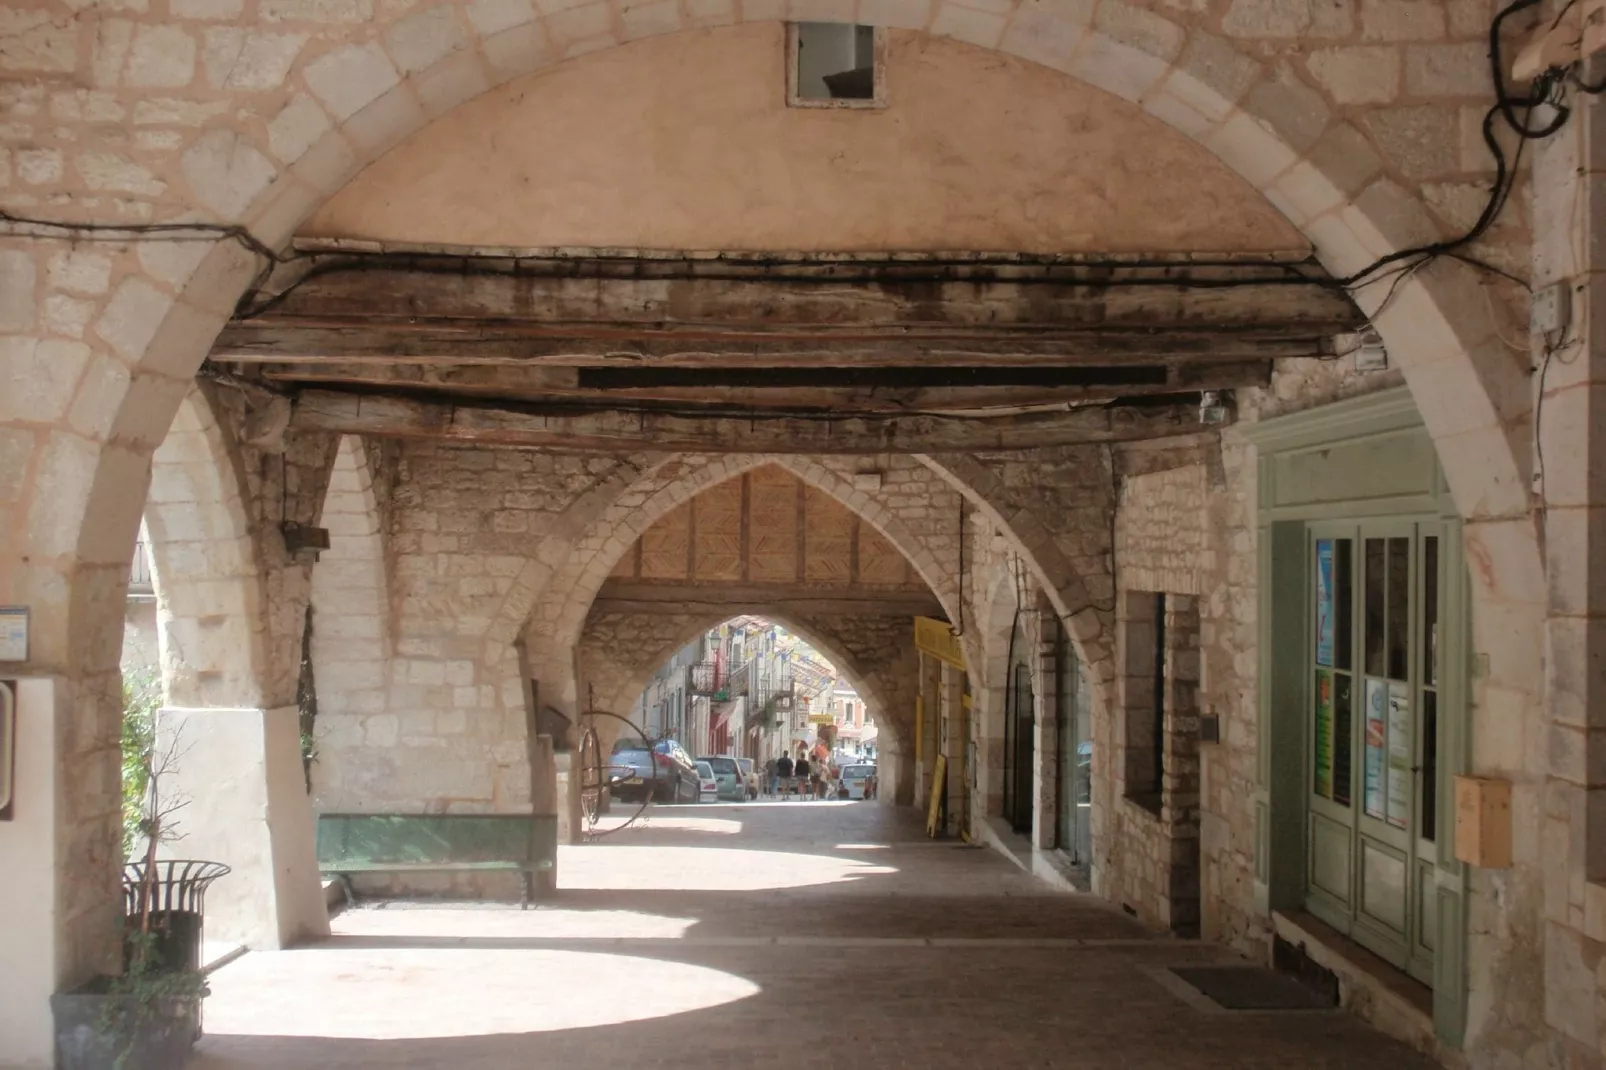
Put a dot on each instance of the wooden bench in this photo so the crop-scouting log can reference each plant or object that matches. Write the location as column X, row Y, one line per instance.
column 439, row 843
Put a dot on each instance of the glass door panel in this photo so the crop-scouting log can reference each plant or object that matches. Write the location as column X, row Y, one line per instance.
column 1331, row 721
column 1372, row 735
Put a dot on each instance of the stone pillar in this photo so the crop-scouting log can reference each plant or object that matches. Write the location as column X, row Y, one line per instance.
column 1045, row 744
column 955, row 727
column 1569, row 363
column 925, row 751
column 544, row 798
column 571, row 823
column 248, row 808
column 33, row 845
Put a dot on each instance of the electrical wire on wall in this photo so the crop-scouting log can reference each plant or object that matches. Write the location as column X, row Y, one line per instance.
column 1516, row 110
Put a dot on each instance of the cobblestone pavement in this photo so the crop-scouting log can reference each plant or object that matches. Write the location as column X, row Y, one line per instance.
column 778, row 935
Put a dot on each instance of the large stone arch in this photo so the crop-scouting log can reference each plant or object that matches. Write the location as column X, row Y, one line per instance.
column 351, row 636
column 206, row 565
column 361, row 100
column 1087, row 622
column 644, row 662
column 351, row 99
column 557, row 612
column 875, row 655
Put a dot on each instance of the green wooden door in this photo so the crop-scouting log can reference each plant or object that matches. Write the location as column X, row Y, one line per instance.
column 1372, row 734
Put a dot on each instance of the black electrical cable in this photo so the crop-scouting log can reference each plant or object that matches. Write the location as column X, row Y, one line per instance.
column 176, row 232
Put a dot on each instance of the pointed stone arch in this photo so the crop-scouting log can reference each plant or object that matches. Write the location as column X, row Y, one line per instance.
column 351, row 642
column 206, row 566
column 556, row 613
column 1088, row 623
column 684, row 627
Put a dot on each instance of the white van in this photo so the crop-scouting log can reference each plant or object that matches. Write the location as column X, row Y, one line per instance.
column 858, row 781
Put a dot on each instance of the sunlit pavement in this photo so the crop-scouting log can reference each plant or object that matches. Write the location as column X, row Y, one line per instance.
column 764, row 934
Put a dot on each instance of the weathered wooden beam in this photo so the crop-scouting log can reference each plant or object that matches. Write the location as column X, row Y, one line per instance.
column 617, row 299
column 618, row 596
column 535, row 383
column 826, row 346
column 616, row 430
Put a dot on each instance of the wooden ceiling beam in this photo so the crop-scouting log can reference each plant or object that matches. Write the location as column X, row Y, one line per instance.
column 771, row 298
column 825, row 347
column 527, row 383
column 571, row 430
column 632, row 596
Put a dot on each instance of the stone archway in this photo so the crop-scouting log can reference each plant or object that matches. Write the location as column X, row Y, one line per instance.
column 351, row 641
column 563, row 603
column 674, row 631
column 152, row 324
column 875, row 655
column 208, row 572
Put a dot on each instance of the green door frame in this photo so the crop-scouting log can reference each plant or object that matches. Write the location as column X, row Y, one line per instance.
column 1339, row 447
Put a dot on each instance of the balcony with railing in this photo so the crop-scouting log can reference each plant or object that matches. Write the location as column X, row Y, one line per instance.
column 740, row 682
column 704, row 678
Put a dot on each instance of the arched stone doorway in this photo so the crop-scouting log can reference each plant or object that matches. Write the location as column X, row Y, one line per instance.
column 156, row 314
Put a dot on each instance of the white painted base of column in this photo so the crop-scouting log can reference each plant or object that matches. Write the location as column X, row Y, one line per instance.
column 571, row 820
column 249, row 809
column 31, row 848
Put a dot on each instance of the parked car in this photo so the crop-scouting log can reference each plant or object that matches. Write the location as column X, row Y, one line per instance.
column 732, row 784
column 665, row 773
column 750, row 775
column 707, row 783
column 858, row 782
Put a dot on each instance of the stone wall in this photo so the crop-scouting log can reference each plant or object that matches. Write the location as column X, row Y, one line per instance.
column 443, row 728
column 357, row 732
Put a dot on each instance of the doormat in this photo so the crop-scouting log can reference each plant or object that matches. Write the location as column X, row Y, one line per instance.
column 1252, row 988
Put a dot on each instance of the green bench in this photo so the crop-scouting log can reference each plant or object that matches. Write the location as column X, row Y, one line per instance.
column 440, row 843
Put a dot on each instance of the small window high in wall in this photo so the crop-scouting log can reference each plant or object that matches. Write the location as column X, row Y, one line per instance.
column 834, row 65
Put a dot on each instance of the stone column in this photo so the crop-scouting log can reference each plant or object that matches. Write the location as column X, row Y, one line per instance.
column 926, row 730
column 248, row 808
column 571, row 823
column 1570, row 370
column 955, row 735
column 544, row 798
column 1045, row 744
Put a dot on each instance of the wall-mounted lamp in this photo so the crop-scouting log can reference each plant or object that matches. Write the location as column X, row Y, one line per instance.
column 1213, row 405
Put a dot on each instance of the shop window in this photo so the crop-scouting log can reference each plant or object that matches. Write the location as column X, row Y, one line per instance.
column 834, row 65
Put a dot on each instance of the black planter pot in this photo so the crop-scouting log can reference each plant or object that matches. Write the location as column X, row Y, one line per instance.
column 159, row 1036
column 177, row 944
column 175, row 898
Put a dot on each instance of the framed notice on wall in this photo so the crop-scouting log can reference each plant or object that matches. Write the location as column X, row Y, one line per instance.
column 1376, row 740
column 1399, row 756
column 1324, row 602
column 8, row 746
column 1324, row 733
column 13, row 633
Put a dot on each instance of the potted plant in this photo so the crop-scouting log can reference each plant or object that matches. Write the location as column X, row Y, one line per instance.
column 149, row 1016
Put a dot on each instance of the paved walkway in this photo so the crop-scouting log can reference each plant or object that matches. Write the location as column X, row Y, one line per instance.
column 759, row 935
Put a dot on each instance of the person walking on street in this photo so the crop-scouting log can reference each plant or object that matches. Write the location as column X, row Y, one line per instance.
column 769, row 778
column 800, row 769
column 783, row 774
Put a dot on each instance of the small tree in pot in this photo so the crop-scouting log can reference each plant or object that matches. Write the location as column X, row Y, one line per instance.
column 147, row 1017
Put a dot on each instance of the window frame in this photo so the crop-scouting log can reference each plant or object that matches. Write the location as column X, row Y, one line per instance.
column 878, row 99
